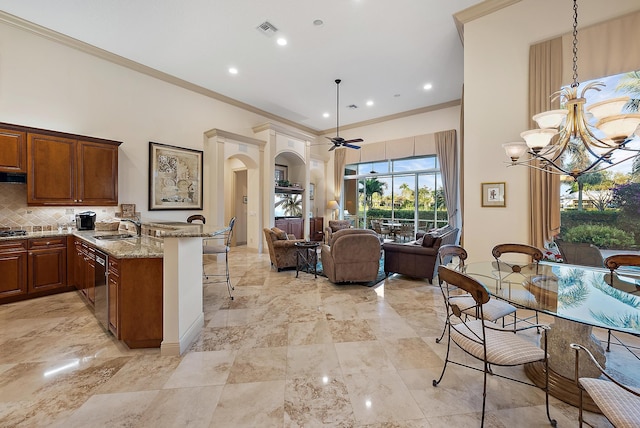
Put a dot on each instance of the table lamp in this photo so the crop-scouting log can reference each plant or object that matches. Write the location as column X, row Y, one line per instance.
column 333, row 206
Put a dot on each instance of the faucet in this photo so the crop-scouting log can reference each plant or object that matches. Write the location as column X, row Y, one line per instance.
column 136, row 223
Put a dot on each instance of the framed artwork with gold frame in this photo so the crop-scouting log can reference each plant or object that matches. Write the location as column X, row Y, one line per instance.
column 493, row 195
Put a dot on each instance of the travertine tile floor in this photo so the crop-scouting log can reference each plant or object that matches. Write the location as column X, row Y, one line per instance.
column 286, row 352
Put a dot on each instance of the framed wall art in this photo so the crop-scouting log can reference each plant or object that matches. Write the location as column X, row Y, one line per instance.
column 312, row 191
column 281, row 173
column 175, row 178
column 493, row 195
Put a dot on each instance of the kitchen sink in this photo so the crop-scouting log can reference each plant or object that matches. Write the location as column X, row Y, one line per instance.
column 114, row 237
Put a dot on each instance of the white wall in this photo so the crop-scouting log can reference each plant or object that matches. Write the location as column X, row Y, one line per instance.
column 47, row 85
column 496, row 57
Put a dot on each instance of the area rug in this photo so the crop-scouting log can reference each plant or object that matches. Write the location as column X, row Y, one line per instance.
column 379, row 278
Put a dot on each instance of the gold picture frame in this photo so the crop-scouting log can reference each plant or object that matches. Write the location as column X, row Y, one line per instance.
column 494, row 195
column 175, row 178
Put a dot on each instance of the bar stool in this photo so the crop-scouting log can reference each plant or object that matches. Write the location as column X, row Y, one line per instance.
column 220, row 245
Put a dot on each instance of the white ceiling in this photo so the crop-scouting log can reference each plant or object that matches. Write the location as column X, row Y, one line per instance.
column 383, row 50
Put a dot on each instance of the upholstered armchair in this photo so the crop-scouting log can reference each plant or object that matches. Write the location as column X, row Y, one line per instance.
column 334, row 226
column 282, row 250
column 353, row 255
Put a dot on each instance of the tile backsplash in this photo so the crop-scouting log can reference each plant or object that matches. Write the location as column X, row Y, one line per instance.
column 15, row 214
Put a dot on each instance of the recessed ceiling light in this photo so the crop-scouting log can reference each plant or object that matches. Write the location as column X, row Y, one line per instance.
column 325, row 115
column 427, row 86
column 233, row 70
column 369, row 103
column 282, row 41
column 318, row 22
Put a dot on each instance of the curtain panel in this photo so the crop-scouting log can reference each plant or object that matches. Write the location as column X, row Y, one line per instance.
column 448, row 157
column 338, row 171
column 545, row 78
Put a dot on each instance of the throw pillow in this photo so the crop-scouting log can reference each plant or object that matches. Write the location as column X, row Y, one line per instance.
column 428, row 240
column 280, row 234
column 419, row 241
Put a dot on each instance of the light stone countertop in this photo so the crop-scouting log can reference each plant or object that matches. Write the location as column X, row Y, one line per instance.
column 149, row 245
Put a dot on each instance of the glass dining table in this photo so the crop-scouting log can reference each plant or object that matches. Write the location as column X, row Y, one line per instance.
column 579, row 298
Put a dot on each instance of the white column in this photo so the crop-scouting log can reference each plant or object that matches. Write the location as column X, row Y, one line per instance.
column 183, row 316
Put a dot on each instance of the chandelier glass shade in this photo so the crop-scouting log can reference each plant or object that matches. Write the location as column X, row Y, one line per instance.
column 576, row 140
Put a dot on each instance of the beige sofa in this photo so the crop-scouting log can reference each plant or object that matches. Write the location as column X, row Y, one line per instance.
column 282, row 250
column 352, row 255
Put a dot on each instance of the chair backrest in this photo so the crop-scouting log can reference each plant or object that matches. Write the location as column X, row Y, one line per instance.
column 336, row 225
column 500, row 249
column 196, row 217
column 511, row 267
column 447, row 252
column 232, row 223
column 466, row 283
column 619, row 260
column 375, row 225
column 583, row 254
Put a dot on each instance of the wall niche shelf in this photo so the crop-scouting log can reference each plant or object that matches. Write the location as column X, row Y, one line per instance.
column 297, row 190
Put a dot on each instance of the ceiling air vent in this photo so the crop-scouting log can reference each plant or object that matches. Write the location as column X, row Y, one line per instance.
column 352, row 106
column 267, row 28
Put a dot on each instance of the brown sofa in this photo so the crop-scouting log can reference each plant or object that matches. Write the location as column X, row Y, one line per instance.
column 282, row 250
column 353, row 255
column 418, row 258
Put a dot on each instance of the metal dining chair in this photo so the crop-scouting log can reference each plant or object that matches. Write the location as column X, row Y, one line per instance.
column 613, row 263
column 220, row 245
column 508, row 270
column 453, row 257
column 619, row 403
column 486, row 341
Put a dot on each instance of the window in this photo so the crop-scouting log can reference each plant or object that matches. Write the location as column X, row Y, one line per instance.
column 406, row 193
column 603, row 208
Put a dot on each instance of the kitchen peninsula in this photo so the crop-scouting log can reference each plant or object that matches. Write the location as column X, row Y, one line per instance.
column 156, row 278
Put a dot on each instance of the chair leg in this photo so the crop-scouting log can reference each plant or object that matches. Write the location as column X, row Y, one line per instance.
column 444, row 329
column 553, row 422
column 446, row 358
column 229, row 285
column 608, row 340
column 484, row 391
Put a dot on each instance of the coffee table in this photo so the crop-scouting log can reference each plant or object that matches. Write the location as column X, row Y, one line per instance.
column 307, row 257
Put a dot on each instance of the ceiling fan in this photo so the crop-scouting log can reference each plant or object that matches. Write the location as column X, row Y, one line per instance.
column 338, row 140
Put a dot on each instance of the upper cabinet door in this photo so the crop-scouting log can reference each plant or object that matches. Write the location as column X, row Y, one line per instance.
column 51, row 170
column 97, row 180
column 13, row 151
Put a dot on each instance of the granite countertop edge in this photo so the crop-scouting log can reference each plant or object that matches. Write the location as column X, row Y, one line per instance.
column 138, row 247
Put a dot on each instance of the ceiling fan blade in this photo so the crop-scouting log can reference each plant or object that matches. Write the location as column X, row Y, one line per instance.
column 333, row 147
column 351, row 146
column 355, row 140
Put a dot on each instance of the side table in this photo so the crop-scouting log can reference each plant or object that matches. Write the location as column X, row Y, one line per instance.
column 307, row 257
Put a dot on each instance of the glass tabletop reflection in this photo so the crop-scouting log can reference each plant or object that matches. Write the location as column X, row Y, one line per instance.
column 576, row 293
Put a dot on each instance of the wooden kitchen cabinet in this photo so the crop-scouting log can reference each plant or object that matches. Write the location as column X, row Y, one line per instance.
column 138, row 306
column 47, row 264
column 13, row 269
column 113, row 284
column 13, row 150
column 293, row 226
column 71, row 171
column 316, row 229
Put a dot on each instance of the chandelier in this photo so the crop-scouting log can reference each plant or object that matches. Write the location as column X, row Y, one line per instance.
column 572, row 141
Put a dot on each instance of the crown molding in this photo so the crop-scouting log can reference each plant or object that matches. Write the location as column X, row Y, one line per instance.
column 479, row 10
column 401, row 115
column 136, row 66
column 295, row 133
column 219, row 133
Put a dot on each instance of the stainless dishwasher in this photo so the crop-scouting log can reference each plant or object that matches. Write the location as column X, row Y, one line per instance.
column 102, row 290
